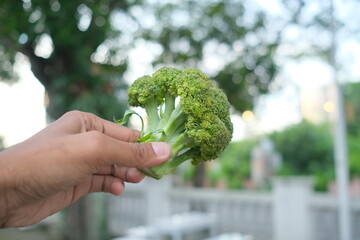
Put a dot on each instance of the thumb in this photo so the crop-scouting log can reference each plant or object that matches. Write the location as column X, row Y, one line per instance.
column 99, row 150
column 143, row 155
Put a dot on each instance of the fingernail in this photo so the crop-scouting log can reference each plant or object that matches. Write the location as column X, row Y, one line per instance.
column 161, row 149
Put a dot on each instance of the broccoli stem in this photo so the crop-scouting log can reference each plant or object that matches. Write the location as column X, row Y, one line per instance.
column 151, row 108
column 166, row 109
column 169, row 105
column 175, row 122
column 168, row 126
column 180, row 145
column 165, row 168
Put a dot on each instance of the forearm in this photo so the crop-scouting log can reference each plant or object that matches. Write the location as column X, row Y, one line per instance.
column 3, row 190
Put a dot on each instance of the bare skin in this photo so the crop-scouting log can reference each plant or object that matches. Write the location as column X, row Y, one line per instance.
column 76, row 155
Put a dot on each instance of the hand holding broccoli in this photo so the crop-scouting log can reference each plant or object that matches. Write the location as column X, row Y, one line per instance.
column 76, row 155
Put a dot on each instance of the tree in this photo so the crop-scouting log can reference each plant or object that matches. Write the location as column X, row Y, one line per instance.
column 306, row 149
column 60, row 41
column 236, row 163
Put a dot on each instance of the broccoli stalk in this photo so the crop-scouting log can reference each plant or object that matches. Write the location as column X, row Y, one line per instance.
column 152, row 112
column 197, row 128
column 167, row 126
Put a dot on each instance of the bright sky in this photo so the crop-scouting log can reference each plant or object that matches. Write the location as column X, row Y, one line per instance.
column 22, row 112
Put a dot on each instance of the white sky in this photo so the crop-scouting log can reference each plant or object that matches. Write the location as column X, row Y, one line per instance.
column 22, row 112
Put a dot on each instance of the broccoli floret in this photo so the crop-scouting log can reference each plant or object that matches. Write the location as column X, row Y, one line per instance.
column 185, row 109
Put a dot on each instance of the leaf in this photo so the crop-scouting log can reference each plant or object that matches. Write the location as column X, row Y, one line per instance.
column 128, row 113
column 149, row 136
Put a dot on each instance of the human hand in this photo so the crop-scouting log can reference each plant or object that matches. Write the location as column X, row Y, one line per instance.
column 78, row 154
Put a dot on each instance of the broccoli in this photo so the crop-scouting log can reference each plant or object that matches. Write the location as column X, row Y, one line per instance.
column 184, row 109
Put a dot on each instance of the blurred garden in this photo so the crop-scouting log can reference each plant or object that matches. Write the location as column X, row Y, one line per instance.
column 306, row 149
column 276, row 61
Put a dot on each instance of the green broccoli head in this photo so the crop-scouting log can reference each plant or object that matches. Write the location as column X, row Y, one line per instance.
column 186, row 110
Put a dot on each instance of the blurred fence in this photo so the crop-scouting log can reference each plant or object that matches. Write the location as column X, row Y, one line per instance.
column 290, row 211
column 324, row 217
column 244, row 212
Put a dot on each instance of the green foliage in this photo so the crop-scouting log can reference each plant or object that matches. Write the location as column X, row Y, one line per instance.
column 352, row 106
column 323, row 178
column 71, row 73
column 235, row 163
column 198, row 127
column 354, row 154
column 192, row 31
column 306, row 149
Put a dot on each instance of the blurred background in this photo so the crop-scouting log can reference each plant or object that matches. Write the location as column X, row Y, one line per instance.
column 290, row 69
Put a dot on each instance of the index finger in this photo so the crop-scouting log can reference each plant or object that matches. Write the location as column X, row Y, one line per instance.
column 119, row 132
column 91, row 122
column 75, row 122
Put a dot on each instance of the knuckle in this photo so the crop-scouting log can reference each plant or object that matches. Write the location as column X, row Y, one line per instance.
column 72, row 114
column 86, row 118
column 92, row 122
column 89, row 121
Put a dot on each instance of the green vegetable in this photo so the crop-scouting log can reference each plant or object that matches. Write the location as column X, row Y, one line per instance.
column 187, row 111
